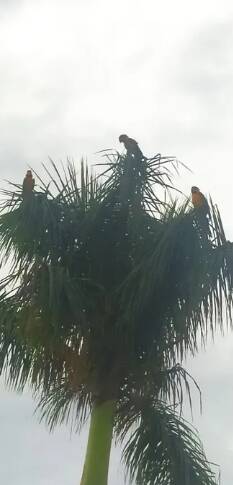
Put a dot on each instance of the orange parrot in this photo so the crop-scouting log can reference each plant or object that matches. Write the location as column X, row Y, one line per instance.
column 199, row 201
column 202, row 210
column 131, row 146
column 28, row 184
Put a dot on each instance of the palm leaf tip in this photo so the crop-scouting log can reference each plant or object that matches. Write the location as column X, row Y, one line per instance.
column 165, row 449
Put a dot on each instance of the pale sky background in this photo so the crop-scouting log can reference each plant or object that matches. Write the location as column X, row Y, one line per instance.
column 73, row 76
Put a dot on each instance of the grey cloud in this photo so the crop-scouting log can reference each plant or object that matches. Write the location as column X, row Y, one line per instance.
column 206, row 72
column 139, row 60
column 30, row 453
column 11, row 3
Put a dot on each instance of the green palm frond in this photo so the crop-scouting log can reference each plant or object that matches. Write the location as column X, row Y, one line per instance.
column 183, row 288
column 80, row 248
column 111, row 282
column 48, row 221
column 150, row 381
column 80, row 254
column 140, row 183
column 175, row 384
column 61, row 405
column 164, row 449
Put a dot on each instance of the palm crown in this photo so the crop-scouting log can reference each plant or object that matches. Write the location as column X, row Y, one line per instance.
column 110, row 287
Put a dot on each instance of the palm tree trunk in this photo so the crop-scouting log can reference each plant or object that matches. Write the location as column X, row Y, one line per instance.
column 95, row 471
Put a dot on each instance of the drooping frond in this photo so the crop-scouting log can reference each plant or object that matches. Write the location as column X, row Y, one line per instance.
column 61, row 405
column 182, row 287
column 151, row 382
column 164, row 449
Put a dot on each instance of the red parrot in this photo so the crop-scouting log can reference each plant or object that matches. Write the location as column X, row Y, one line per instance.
column 131, row 146
column 28, row 184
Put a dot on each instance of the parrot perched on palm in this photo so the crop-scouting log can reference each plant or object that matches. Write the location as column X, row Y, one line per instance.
column 199, row 201
column 28, row 184
column 201, row 208
column 131, row 146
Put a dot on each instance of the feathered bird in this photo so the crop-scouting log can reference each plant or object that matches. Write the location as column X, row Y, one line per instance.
column 28, row 184
column 131, row 146
column 202, row 212
column 199, row 201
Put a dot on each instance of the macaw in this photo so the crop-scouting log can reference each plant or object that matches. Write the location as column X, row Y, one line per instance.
column 131, row 146
column 28, row 184
column 199, row 201
column 202, row 212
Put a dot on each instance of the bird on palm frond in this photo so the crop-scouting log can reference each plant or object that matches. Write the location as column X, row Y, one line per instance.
column 199, row 201
column 201, row 208
column 28, row 184
column 131, row 146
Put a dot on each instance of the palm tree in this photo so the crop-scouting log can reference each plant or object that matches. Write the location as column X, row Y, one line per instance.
column 111, row 285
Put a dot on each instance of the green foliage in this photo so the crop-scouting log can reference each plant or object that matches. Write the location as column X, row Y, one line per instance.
column 111, row 282
column 164, row 449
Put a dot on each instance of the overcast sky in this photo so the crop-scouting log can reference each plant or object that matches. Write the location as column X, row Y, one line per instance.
column 73, row 76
